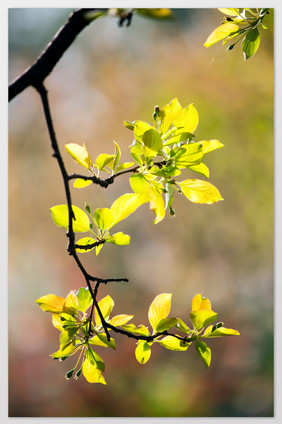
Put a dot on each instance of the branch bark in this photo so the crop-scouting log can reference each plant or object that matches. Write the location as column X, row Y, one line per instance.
column 35, row 75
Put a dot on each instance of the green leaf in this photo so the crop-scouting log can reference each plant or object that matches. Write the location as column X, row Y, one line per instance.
column 60, row 215
column 120, row 239
column 121, row 319
column 229, row 12
column 84, row 299
column 202, row 318
column 140, row 128
column 51, row 303
column 104, row 159
column 168, row 114
column 67, row 351
column 91, row 373
column 141, row 329
column 159, row 309
column 188, row 119
column 137, row 158
column 101, row 339
column 166, row 324
column 172, row 343
column 200, row 168
column 157, row 204
column 98, row 249
column 251, row 43
column 58, row 320
column 66, row 337
column 221, row 32
column 220, row 332
column 155, row 13
column 182, row 326
column 85, row 241
column 95, row 359
column 71, row 304
column 80, row 183
column 200, row 303
column 168, row 195
column 204, row 352
column 117, row 155
column 129, row 125
column 210, row 145
column 153, row 143
column 143, row 351
column 106, row 306
column 125, row 205
column 198, row 191
column 123, row 166
column 103, row 218
column 80, row 154
column 190, row 154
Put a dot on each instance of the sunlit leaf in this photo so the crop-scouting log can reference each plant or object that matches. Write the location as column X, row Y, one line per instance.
column 200, row 303
column 84, row 299
column 221, row 32
column 172, row 343
column 190, row 154
column 106, row 306
column 62, row 353
column 51, row 303
column 103, row 218
column 101, row 339
column 166, row 324
column 126, row 205
column 80, row 183
column 117, row 155
column 229, row 12
column 141, row 329
column 198, row 191
column 140, row 128
column 103, row 160
column 66, row 337
column 85, row 241
column 120, row 239
column 204, row 352
column 200, row 168
column 152, row 143
column 155, row 13
column 157, row 204
column 91, row 373
column 95, row 359
column 210, row 145
column 168, row 114
column 125, row 165
column 98, row 249
column 60, row 215
column 182, row 326
column 80, row 154
column 71, row 304
column 188, row 119
column 129, row 125
column 143, row 351
column 139, row 183
column 58, row 322
column 159, row 309
column 202, row 318
column 220, row 332
column 121, row 319
column 251, row 43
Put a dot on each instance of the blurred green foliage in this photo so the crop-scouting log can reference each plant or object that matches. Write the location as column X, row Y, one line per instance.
column 108, row 75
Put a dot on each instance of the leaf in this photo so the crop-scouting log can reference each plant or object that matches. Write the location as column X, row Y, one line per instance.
column 106, row 306
column 117, row 155
column 168, row 114
column 98, row 249
column 251, row 43
column 95, row 359
column 141, row 329
column 188, row 119
column 91, row 373
column 210, row 145
column 157, row 204
column 159, row 309
column 202, row 318
column 198, row 191
column 102, row 340
column 70, row 349
column 200, row 303
column 129, row 125
column 204, row 352
column 139, row 183
column 85, row 241
column 166, row 324
column 58, row 322
column 155, row 13
column 80, row 154
column 123, row 166
column 84, row 299
column 126, row 205
column 153, row 143
column 182, row 326
column 80, row 183
column 172, row 343
column 71, row 304
column 220, row 332
column 60, row 215
column 51, row 303
column 120, row 239
column 119, row 320
column 140, row 128
column 200, row 168
column 103, row 218
column 221, row 32
column 104, row 159
column 190, row 154
column 66, row 337
column 143, row 351
column 229, row 12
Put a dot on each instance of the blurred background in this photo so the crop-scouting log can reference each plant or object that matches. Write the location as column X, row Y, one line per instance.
column 223, row 251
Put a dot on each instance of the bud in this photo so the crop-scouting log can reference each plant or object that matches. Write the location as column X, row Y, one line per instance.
column 69, row 374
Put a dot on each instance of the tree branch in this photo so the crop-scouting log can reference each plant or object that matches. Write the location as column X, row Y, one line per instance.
column 43, row 66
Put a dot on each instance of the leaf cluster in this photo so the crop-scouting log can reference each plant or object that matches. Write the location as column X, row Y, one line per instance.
column 241, row 24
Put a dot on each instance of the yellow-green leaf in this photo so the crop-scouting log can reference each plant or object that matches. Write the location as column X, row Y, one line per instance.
column 91, row 373
column 51, row 303
column 71, row 304
column 161, row 13
column 210, row 145
column 251, row 43
column 58, row 323
column 120, row 239
column 229, row 12
column 121, row 319
column 200, row 303
column 168, row 114
column 141, row 329
column 80, row 154
column 221, row 32
column 172, row 343
column 84, row 299
column 143, row 351
column 157, row 204
column 102, row 340
column 188, row 119
column 200, row 168
column 60, row 215
column 159, row 309
column 202, row 318
column 204, row 352
column 106, row 306
column 126, row 205
column 80, row 183
column 220, row 332
column 117, row 155
column 166, row 324
column 103, row 218
column 62, row 353
column 85, row 241
column 199, row 191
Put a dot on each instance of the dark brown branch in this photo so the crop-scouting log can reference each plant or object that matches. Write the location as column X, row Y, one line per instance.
column 43, row 66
